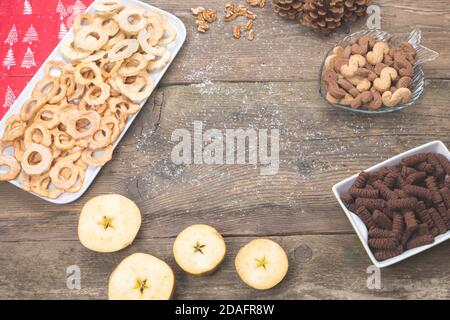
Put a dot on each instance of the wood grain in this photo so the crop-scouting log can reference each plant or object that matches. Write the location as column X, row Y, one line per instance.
column 319, row 146
column 284, row 51
column 270, row 83
column 321, row 267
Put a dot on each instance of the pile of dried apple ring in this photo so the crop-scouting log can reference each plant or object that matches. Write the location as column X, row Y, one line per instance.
column 79, row 109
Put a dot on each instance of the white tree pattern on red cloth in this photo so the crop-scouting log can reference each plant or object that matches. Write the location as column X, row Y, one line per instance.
column 61, row 10
column 75, row 10
column 12, row 36
column 28, row 59
column 27, row 9
column 62, row 31
column 9, row 98
column 31, row 35
column 9, row 60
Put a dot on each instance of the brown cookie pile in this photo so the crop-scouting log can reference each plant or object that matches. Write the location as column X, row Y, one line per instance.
column 403, row 206
column 369, row 74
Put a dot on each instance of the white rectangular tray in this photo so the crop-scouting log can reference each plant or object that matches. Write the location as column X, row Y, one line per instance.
column 358, row 225
column 92, row 172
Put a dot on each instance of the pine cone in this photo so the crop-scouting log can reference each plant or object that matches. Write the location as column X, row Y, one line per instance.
column 321, row 15
column 291, row 9
column 327, row 15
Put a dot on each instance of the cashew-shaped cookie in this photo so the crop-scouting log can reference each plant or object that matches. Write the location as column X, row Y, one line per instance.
column 339, row 62
column 377, row 54
column 331, row 59
column 356, row 61
column 392, row 99
column 347, row 100
column 383, row 83
column 362, row 84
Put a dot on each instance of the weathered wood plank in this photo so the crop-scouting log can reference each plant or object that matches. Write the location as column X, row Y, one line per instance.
column 321, row 267
column 284, row 51
column 319, row 146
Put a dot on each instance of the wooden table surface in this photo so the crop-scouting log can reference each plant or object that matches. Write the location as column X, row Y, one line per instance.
column 228, row 83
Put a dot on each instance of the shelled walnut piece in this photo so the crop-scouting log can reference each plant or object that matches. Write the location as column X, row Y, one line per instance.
column 233, row 12
column 257, row 3
column 204, row 16
column 403, row 206
column 368, row 74
column 79, row 109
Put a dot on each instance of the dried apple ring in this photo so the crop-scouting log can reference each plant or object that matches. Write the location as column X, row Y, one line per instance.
column 24, row 180
column 133, row 65
column 114, row 40
column 76, row 116
column 19, row 149
column 110, row 7
column 41, row 185
column 96, row 161
column 60, row 94
column 63, row 141
column 15, row 128
column 123, row 50
column 156, row 29
column 121, row 101
column 101, row 139
column 172, row 34
column 131, row 20
column 84, row 67
column 4, row 145
column 80, row 181
column 100, row 109
column 31, row 107
column 161, row 62
column 91, row 38
column 108, row 24
column 49, row 116
column 93, row 97
column 80, row 163
column 46, row 137
column 69, row 80
column 144, row 37
column 58, row 179
column 13, row 168
column 71, row 53
column 50, row 66
column 73, row 154
column 45, row 159
column 47, row 87
column 100, row 54
column 136, row 96
column 109, row 68
column 78, row 93
column 81, row 21
column 113, row 124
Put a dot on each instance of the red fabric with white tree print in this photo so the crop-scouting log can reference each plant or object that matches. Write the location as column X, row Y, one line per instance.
column 29, row 31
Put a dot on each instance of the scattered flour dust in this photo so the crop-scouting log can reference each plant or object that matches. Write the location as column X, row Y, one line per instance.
column 310, row 152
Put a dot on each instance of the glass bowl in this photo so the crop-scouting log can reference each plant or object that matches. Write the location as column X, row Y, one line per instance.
column 423, row 55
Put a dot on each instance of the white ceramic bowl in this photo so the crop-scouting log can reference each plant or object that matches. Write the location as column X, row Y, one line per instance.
column 359, row 226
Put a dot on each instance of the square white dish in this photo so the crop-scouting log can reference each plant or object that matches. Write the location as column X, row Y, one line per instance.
column 358, row 225
column 92, row 172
